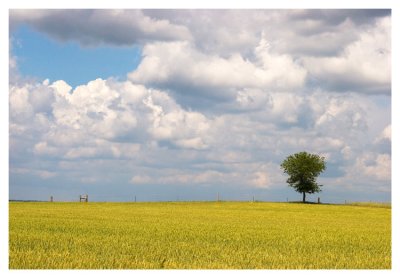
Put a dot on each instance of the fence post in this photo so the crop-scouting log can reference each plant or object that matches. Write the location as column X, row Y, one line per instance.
column 85, row 198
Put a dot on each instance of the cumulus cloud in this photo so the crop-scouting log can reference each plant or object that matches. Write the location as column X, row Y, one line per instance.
column 190, row 73
column 97, row 27
column 260, row 179
column 180, row 64
column 368, row 165
column 199, row 77
column 42, row 148
column 206, row 108
column 94, row 122
column 294, row 32
column 386, row 133
column 185, row 128
column 363, row 66
column 99, row 112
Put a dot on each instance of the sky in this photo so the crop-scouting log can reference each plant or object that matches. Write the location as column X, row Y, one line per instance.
column 165, row 105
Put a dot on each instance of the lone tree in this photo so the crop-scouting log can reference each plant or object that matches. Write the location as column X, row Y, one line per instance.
column 303, row 169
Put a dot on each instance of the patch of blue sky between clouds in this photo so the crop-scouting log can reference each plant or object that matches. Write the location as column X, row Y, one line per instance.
column 43, row 58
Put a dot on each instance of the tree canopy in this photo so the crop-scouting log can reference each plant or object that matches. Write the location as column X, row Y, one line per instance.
column 303, row 169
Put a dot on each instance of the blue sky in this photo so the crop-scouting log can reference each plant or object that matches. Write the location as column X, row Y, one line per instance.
column 42, row 57
column 189, row 104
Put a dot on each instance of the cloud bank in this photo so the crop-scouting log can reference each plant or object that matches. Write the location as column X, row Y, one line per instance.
column 218, row 100
column 97, row 27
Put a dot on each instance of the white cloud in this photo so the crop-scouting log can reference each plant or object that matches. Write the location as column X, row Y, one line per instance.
column 206, row 178
column 209, row 177
column 363, row 66
column 294, row 32
column 141, row 179
column 42, row 148
column 287, row 107
column 169, row 145
column 95, row 108
column 346, row 152
column 193, row 143
column 62, row 88
column 261, row 179
column 278, row 71
column 46, row 174
column 377, row 166
column 20, row 108
column 80, row 122
column 221, row 105
column 184, row 128
column 179, row 64
column 82, row 152
column 43, row 174
column 386, row 133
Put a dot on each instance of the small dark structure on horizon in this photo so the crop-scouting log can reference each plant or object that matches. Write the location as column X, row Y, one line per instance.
column 83, row 198
column 51, row 198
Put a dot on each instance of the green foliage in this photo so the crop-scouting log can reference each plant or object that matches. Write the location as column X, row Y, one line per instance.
column 303, row 169
column 198, row 235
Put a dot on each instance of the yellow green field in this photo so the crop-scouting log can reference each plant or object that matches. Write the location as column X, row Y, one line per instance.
column 198, row 235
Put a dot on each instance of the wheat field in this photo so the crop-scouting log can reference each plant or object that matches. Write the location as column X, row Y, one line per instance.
column 198, row 235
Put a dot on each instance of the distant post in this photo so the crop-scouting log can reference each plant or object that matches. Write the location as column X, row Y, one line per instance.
column 319, row 201
column 84, row 198
column 51, row 198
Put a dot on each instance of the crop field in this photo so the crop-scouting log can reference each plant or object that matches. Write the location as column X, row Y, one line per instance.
column 198, row 235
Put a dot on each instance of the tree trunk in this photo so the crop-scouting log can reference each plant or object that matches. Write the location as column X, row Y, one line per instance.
column 304, row 197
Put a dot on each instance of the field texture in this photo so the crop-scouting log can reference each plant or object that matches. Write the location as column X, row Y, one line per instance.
column 199, row 235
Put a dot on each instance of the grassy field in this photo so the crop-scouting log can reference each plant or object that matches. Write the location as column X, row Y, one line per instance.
column 199, row 235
